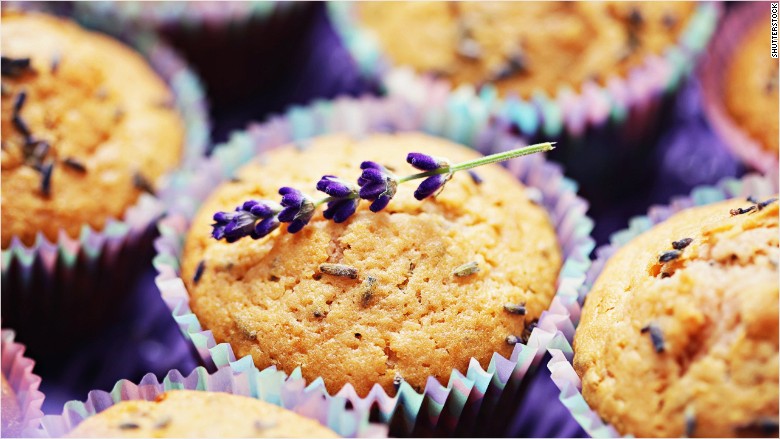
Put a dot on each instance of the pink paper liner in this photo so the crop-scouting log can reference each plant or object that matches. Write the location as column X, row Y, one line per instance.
column 478, row 398
column 70, row 281
column 560, row 365
column 631, row 104
column 18, row 371
column 268, row 385
column 712, row 75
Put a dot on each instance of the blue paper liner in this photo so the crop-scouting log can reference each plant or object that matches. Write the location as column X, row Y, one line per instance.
column 468, row 402
column 268, row 385
column 560, row 365
column 66, row 285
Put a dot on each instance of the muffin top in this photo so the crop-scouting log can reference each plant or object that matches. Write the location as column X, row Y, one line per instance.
column 11, row 412
column 690, row 345
column 192, row 413
column 86, row 126
column 405, row 315
column 751, row 87
column 523, row 47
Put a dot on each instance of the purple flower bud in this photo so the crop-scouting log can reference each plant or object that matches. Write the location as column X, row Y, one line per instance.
column 377, row 184
column 425, row 162
column 235, row 225
column 340, row 210
column 429, row 186
column 266, row 226
column 298, row 209
column 335, row 187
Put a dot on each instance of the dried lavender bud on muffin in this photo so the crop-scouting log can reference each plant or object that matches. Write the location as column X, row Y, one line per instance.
column 403, row 307
column 686, row 343
column 86, row 125
column 11, row 412
column 751, row 90
column 524, row 46
column 191, row 413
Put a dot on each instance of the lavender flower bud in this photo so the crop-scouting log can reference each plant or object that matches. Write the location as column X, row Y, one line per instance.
column 377, row 184
column 340, row 210
column 426, row 162
column 429, row 186
column 235, row 225
column 298, row 209
column 336, row 187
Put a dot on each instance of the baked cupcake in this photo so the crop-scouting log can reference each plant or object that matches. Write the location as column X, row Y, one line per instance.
column 192, row 413
column 74, row 131
column 88, row 128
column 236, row 401
column 739, row 78
column 403, row 311
column 678, row 335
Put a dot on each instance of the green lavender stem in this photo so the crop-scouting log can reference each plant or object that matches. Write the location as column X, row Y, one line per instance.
column 493, row 158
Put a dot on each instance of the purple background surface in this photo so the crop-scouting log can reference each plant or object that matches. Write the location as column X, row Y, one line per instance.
column 146, row 339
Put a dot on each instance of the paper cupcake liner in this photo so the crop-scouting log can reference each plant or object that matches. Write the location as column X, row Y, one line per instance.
column 268, row 385
column 18, row 371
column 65, row 286
column 560, row 365
column 712, row 75
column 469, row 403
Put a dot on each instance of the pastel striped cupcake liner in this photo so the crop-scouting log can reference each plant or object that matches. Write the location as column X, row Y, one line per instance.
column 66, row 285
column 269, row 385
column 18, row 371
column 560, row 364
column 476, row 401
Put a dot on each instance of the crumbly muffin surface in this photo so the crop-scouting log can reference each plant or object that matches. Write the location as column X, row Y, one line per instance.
column 104, row 115
column 191, row 413
column 552, row 43
column 713, row 311
column 751, row 87
column 269, row 299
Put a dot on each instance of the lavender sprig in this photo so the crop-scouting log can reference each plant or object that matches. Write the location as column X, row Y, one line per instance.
column 376, row 184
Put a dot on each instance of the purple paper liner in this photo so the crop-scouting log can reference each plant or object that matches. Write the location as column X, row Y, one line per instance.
column 560, row 365
column 66, row 285
column 477, row 403
column 18, row 371
column 268, row 385
column 712, row 75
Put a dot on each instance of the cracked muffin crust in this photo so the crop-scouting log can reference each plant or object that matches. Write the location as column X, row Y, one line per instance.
column 679, row 334
column 86, row 126
column 524, row 47
column 190, row 413
column 405, row 315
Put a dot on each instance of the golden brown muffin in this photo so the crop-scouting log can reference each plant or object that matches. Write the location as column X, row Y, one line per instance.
column 689, row 346
column 11, row 413
column 524, row 47
column 103, row 114
column 405, row 315
column 191, row 413
column 751, row 87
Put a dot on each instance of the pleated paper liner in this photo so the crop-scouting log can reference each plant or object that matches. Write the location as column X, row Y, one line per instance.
column 18, row 371
column 606, row 132
column 268, row 385
column 66, row 286
column 560, row 366
column 713, row 79
column 477, row 403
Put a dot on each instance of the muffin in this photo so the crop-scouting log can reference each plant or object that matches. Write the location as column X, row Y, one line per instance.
column 12, row 413
column 524, row 47
column 87, row 126
column 750, row 93
column 679, row 334
column 192, row 413
column 403, row 314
